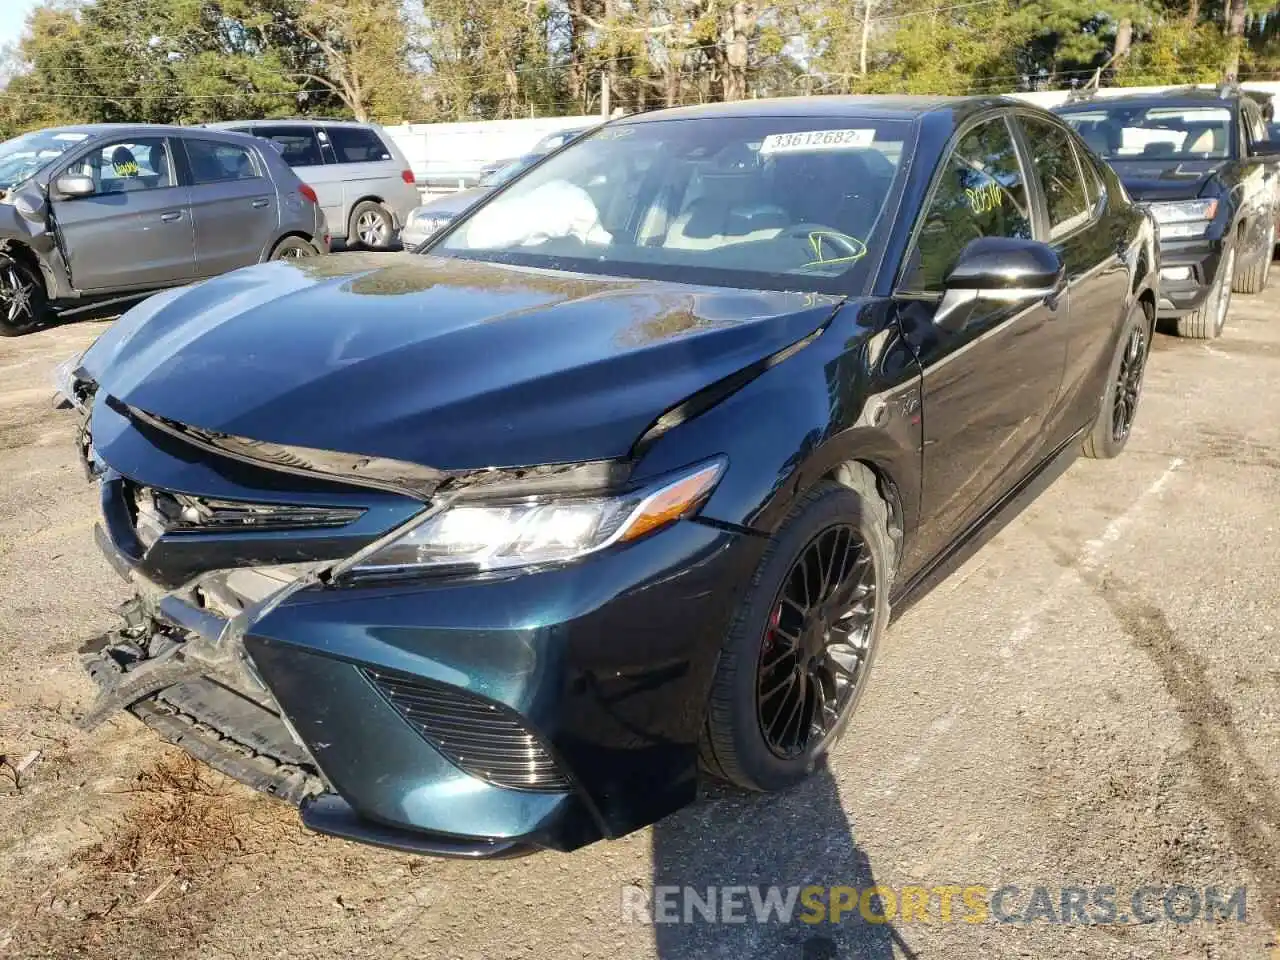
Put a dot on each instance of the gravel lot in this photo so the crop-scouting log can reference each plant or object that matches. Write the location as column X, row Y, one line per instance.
column 1093, row 699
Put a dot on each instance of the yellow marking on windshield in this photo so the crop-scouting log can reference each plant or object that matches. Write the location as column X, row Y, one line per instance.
column 820, row 241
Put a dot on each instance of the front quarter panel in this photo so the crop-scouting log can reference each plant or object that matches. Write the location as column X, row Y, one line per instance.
column 851, row 394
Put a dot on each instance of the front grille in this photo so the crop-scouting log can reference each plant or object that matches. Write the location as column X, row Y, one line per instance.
column 158, row 512
column 485, row 739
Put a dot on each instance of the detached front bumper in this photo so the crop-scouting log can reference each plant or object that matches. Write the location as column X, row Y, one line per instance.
column 468, row 718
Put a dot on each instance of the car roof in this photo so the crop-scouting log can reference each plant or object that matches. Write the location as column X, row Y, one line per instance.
column 137, row 129
column 1179, row 96
column 902, row 107
column 289, row 122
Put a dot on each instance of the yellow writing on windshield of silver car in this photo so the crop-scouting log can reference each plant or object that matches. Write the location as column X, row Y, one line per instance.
column 986, row 198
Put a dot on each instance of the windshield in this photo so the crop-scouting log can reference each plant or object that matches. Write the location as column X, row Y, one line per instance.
column 1155, row 132
column 763, row 202
column 30, row 153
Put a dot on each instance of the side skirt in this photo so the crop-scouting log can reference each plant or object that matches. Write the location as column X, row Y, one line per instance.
column 989, row 524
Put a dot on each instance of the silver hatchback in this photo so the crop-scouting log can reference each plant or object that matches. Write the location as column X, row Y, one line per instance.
column 107, row 212
column 365, row 185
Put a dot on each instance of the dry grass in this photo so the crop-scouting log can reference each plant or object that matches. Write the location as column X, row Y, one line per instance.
column 152, row 885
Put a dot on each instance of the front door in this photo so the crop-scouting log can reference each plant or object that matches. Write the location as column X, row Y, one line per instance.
column 234, row 205
column 991, row 374
column 1090, row 239
column 135, row 231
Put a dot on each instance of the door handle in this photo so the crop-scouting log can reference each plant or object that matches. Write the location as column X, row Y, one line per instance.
column 262, row 202
column 171, row 216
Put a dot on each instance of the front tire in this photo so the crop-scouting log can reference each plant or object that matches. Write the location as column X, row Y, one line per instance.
column 23, row 301
column 371, row 226
column 799, row 652
column 1119, row 405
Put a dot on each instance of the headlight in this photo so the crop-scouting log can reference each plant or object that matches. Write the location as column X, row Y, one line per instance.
column 482, row 536
column 1179, row 219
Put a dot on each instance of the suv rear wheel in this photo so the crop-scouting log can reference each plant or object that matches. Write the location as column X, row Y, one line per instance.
column 371, row 226
column 23, row 302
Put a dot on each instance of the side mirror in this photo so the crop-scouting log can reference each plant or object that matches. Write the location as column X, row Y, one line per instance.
column 72, row 186
column 999, row 268
column 1265, row 150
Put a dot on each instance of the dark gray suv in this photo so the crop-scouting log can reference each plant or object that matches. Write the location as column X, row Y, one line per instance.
column 103, row 212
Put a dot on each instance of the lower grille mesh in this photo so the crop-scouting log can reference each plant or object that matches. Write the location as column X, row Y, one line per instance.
column 485, row 739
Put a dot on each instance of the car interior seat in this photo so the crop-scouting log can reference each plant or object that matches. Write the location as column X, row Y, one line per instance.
column 731, row 205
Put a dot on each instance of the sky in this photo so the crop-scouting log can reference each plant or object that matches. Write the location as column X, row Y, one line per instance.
column 13, row 14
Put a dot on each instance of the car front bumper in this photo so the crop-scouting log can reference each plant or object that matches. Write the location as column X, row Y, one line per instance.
column 599, row 671
column 1201, row 258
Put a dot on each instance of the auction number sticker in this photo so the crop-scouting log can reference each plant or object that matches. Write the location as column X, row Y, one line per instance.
column 811, row 140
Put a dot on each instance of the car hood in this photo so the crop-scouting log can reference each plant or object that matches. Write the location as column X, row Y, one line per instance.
column 1156, row 180
column 454, row 203
column 448, row 363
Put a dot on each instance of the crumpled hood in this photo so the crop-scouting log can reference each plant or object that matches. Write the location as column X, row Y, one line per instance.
column 1155, row 180
column 448, row 363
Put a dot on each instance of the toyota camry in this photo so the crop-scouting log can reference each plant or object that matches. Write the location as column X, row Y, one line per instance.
column 503, row 545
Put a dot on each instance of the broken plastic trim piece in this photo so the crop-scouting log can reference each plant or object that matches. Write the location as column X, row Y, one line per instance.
column 397, row 476
column 382, row 473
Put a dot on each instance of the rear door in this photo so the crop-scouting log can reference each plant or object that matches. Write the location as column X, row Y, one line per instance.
column 1261, row 185
column 1091, row 243
column 991, row 375
column 233, row 202
column 136, row 229
column 301, row 147
column 364, row 164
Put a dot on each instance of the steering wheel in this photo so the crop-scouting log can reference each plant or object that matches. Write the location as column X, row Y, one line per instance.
column 824, row 241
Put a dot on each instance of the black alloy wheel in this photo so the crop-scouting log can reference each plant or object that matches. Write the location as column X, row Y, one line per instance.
column 817, row 641
column 1128, row 386
column 1118, row 405
column 799, row 650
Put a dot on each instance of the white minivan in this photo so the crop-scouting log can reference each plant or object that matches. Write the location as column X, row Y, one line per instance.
column 365, row 185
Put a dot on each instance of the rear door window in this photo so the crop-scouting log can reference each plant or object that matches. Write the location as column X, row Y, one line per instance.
column 1053, row 156
column 297, row 143
column 214, row 161
column 980, row 192
column 357, row 145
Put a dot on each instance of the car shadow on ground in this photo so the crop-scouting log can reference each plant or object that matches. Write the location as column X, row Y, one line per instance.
column 797, row 839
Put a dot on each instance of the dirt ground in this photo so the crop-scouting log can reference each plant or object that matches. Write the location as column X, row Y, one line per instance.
column 1093, row 699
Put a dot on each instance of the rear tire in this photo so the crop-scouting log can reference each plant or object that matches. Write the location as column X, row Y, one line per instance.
column 292, row 248
column 739, row 742
column 1119, row 403
column 24, row 305
column 371, row 227
column 1253, row 279
column 1206, row 323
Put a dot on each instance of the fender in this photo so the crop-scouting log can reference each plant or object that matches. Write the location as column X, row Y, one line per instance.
column 40, row 238
column 792, row 426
